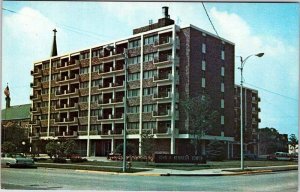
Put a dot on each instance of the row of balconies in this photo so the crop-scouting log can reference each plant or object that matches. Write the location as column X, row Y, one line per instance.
column 66, row 92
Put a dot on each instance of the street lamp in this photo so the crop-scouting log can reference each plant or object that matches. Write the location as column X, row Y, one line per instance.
column 125, row 53
column 243, row 61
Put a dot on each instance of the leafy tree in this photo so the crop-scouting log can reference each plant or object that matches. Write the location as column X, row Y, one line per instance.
column 270, row 141
column 293, row 141
column 8, row 147
column 201, row 117
column 215, row 151
column 12, row 132
column 147, row 144
column 52, row 148
column 130, row 149
column 68, row 147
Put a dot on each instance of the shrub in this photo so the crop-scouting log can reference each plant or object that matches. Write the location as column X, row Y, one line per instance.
column 59, row 160
column 130, row 149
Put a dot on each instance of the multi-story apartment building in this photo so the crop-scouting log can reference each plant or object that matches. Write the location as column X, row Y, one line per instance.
column 250, row 118
column 80, row 95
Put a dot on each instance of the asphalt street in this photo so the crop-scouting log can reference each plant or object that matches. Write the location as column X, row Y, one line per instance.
column 63, row 179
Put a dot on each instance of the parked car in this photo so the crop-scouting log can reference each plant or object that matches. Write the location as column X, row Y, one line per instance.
column 281, row 156
column 16, row 160
column 294, row 156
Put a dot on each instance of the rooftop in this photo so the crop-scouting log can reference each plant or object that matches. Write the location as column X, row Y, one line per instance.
column 16, row 112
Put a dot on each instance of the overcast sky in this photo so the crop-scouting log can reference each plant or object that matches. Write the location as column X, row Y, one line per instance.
column 272, row 28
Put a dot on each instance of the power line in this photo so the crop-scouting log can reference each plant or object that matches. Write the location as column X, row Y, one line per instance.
column 272, row 92
column 210, row 20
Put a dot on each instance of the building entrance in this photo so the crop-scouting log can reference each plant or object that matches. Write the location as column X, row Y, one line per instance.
column 103, row 147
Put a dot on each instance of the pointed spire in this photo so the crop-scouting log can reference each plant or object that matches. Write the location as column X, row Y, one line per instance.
column 54, row 46
column 7, row 98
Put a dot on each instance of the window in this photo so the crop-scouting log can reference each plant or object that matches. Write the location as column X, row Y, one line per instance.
column 222, row 103
column 223, row 55
column 203, row 48
column 203, row 83
column 149, row 74
column 83, row 113
column 45, row 91
column 133, row 76
column 203, row 65
column 83, row 99
column 222, row 119
column 95, row 68
column 45, row 66
column 55, row 63
column 82, row 128
column 45, row 78
column 84, row 85
column 96, row 53
column 95, row 98
column 85, row 55
column 45, row 116
column 133, row 93
column 149, row 125
column 148, row 91
column 95, row 83
column 222, row 71
column 134, row 109
column 149, row 57
column 95, row 127
column 54, row 103
column 54, row 76
column 134, row 60
column 222, row 87
column 134, row 125
column 150, row 40
column 95, row 112
column 134, row 44
column 84, row 70
column 44, row 104
column 148, row 108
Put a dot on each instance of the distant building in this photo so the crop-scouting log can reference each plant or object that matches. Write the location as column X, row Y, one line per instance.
column 251, row 118
column 80, row 95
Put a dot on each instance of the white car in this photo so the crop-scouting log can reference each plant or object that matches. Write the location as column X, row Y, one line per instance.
column 16, row 160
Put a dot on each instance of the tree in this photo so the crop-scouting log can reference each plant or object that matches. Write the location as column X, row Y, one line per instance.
column 201, row 117
column 147, row 144
column 8, row 147
column 12, row 132
column 293, row 141
column 130, row 149
column 68, row 147
column 52, row 149
column 271, row 141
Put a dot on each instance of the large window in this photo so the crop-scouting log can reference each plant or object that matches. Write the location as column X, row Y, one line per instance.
column 134, row 60
column 222, row 103
column 96, row 83
column 203, row 83
column 150, row 40
column 149, row 57
column 149, row 125
column 95, row 112
column 95, row 98
column 222, row 71
column 203, row 48
column 203, row 65
column 148, row 108
column 84, row 70
column 84, row 85
column 148, row 91
column 222, row 87
column 149, row 74
column 83, row 99
column 134, row 109
column 95, row 127
column 133, row 76
column 95, row 68
column 134, row 44
column 85, row 55
column 222, row 119
column 83, row 113
column 133, row 93
column 134, row 125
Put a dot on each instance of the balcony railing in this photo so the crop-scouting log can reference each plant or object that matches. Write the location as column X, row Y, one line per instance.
column 163, row 76
column 162, row 59
column 161, row 113
column 162, row 95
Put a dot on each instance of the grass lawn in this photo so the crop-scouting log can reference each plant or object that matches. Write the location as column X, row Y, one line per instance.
column 140, row 165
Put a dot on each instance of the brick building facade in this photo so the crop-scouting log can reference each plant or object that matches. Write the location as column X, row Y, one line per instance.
column 80, row 95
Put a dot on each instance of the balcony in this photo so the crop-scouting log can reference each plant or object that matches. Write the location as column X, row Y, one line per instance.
column 67, row 92
column 67, row 106
column 67, row 120
column 160, row 61
column 66, row 134
column 163, row 77
column 164, row 42
column 165, row 113
column 106, row 86
column 162, row 95
column 36, row 72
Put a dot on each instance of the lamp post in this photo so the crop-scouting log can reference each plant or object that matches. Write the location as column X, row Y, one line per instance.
column 243, row 61
column 125, row 53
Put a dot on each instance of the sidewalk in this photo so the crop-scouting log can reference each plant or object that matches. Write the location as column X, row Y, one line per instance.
column 173, row 172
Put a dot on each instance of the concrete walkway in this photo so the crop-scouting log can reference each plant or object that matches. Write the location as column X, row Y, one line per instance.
column 174, row 172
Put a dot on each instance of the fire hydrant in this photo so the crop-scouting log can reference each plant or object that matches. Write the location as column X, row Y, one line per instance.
column 129, row 165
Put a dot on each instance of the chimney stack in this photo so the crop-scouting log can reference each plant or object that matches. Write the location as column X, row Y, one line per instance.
column 54, row 46
column 165, row 11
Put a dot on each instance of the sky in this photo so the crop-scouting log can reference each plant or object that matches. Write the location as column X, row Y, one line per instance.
column 272, row 28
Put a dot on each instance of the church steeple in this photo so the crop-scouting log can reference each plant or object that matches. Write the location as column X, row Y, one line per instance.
column 7, row 98
column 54, row 46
